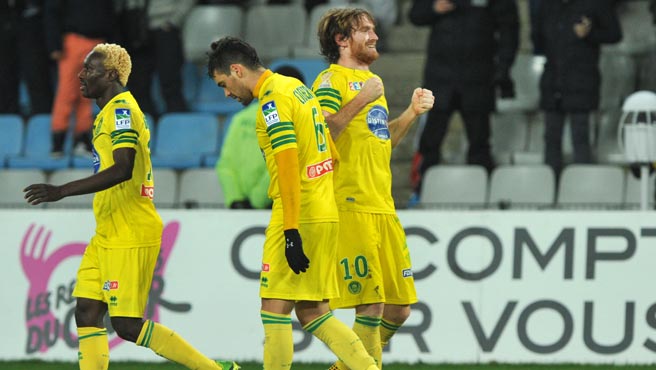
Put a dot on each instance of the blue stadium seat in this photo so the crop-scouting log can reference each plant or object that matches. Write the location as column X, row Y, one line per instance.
column 209, row 159
column 79, row 161
column 11, row 140
column 212, row 99
column 183, row 138
column 309, row 68
column 37, row 147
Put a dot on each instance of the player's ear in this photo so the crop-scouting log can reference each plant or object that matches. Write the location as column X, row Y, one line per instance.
column 112, row 74
column 237, row 69
column 340, row 39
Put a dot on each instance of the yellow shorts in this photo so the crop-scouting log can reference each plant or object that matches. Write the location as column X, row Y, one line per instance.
column 373, row 261
column 120, row 277
column 278, row 281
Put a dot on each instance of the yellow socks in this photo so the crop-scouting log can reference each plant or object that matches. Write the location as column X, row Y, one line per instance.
column 342, row 341
column 367, row 328
column 166, row 343
column 278, row 341
column 387, row 330
column 93, row 351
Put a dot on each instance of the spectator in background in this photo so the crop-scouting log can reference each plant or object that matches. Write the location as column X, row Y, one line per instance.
column 570, row 33
column 23, row 56
column 471, row 48
column 241, row 169
column 162, row 53
column 73, row 28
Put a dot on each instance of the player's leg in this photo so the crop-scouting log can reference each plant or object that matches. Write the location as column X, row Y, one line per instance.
column 90, row 309
column 278, row 337
column 316, row 318
column 367, row 327
column 129, row 272
column 399, row 283
column 360, row 279
column 278, row 287
column 393, row 318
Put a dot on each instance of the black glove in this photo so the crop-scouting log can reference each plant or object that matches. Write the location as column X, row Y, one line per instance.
column 505, row 84
column 296, row 259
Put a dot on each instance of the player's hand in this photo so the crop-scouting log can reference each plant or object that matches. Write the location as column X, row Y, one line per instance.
column 422, row 101
column 296, row 259
column 39, row 193
column 582, row 28
column 372, row 89
column 443, row 6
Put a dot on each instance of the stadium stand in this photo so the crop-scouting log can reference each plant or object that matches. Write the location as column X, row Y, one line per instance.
column 454, row 186
column 200, row 188
column 183, row 138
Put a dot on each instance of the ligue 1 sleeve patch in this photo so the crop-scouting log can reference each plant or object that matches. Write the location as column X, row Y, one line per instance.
column 270, row 113
column 122, row 118
column 325, row 81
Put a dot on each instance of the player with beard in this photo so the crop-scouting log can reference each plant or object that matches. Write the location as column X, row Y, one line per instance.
column 374, row 267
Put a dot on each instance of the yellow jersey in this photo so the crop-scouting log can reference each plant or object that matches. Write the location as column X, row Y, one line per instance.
column 290, row 117
column 363, row 177
column 125, row 213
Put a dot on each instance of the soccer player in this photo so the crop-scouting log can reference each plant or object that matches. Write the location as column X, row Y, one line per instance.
column 374, row 267
column 299, row 249
column 118, row 264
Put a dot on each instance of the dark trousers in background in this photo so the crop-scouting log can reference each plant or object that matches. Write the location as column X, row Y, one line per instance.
column 164, row 56
column 553, row 138
column 23, row 56
column 477, row 128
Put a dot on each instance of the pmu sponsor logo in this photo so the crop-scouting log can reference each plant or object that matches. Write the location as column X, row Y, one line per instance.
column 148, row 191
column 316, row 170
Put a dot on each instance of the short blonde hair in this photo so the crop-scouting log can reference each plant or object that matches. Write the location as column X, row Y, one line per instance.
column 116, row 57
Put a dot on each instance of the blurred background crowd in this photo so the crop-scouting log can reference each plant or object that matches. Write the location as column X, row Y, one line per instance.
column 526, row 90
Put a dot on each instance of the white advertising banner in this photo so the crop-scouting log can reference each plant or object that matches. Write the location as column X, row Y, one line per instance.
column 499, row 286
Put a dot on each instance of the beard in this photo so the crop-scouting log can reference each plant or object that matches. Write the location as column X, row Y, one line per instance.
column 366, row 55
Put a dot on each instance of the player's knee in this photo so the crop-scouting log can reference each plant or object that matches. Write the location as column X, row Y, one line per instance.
column 372, row 310
column 89, row 312
column 396, row 314
column 127, row 328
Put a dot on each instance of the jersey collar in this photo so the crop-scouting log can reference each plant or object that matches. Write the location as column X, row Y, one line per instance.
column 260, row 82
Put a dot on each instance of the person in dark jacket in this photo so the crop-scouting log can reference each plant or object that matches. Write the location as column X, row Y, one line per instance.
column 162, row 55
column 471, row 48
column 73, row 28
column 23, row 56
column 569, row 33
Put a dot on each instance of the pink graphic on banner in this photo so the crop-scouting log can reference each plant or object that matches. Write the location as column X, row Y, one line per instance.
column 44, row 327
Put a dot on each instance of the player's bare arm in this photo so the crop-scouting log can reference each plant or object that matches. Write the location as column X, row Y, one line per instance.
column 121, row 171
column 421, row 102
column 371, row 90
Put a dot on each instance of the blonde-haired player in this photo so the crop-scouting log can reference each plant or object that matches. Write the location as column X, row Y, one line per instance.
column 374, row 267
column 118, row 264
